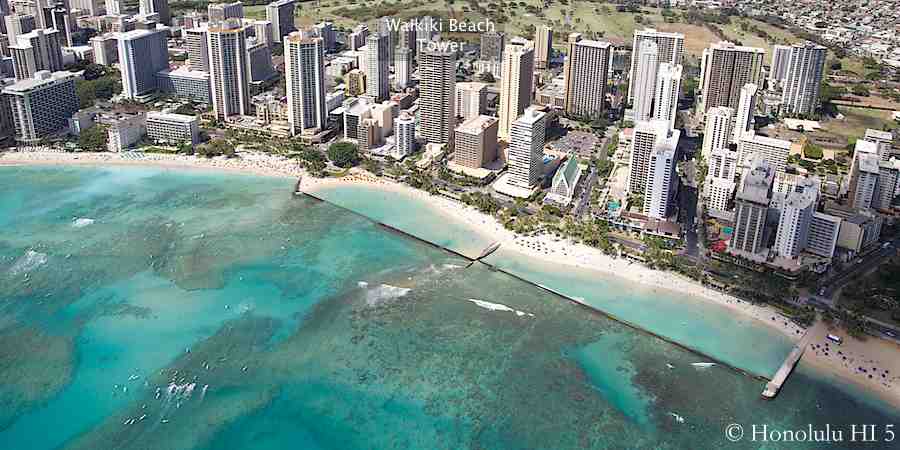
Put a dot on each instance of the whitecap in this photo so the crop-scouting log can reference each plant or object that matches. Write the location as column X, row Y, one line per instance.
column 384, row 294
column 491, row 306
column 703, row 365
column 29, row 261
column 82, row 222
column 362, row 284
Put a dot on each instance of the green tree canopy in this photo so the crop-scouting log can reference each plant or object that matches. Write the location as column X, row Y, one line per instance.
column 343, row 154
column 93, row 139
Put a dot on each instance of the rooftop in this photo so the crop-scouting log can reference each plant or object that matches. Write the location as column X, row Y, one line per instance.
column 476, row 124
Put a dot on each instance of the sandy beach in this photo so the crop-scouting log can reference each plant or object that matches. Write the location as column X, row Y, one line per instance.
column 874, row 352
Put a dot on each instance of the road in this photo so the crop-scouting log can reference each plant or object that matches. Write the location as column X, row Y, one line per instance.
column 868, row 262
column 584, row 201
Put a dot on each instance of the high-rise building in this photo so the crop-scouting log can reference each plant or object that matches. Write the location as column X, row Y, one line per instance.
column 725, row 69
column 304, row 68
column 42, row 105
column 114, row 7
column 586, row 71
column 19, row 24
column 385, row 30
column 160, row 7
column 543, row 46
column 670, row 49
column 437, row 75
column 405, row 133
column 471, row 99
column 662, row 182
column 884, row 139
column 403, row 67
column 406, row 37
column 648, row 135
column 89, row 7
column 645, row 80
column 719, row 126
column 229, row 69
column 668, row 89
column 888, row 184
column 356, row 83
column 775, row 151
column 822, row 237
column 515, row 83
column 262, row 30
column 805, row 70
column 492, row 45
column 35, row 51
column 797, row 209
column 745, row 112
column 357, row 38
column 219, row 12
column 197, row 44
column 781, row 54
column 526, row 148
column 328, row 34
column 475, row 142
column 752, row 207
column 142, row 53
column 864, row 171
column 377, row 67
column 281, row 14
column 106, row 49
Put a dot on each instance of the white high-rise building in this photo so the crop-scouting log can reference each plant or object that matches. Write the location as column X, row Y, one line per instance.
column 797, row 209
column 304, row 69
column 160, row 7
column 864, row 172
column 781, row 54
column 526, row 148
column 218, row 12
column 403, row 67
column 35, row 51
column 752, row 207
column 668, row 89
column 645, row 80
column 42, row 105
column 281, row 14
column 805, row 70
column 662, row 182
column 743, row 119
column 515, row 83
column 197, row 43
column 262, row 29
column 405, row 134
column 106, row 49
column 670, row 49
column 586, row 72
column 543, row 46
column 719, row 126
column 725, row 69
column 19, row 24
column 377, row 67
column 775, row 151
column 437, row 89
column 648, row 135
column 229, row 69
column 471, row 99
column 142, row 53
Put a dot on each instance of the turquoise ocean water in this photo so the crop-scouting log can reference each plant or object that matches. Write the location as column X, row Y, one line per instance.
column 153, row 309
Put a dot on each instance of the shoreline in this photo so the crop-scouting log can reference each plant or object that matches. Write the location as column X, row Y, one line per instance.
column 546, row 249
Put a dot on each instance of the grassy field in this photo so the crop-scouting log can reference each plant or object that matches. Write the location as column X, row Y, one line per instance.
column 856, row 120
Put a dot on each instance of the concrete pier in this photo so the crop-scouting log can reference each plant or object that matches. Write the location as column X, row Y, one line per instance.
column 774, row 386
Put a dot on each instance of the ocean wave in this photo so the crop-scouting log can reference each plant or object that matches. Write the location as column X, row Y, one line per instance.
column 82, row 222
column 384, row 294
column 29, row 261
column 498, row 307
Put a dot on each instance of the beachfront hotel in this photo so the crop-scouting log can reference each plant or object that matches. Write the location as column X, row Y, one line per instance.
column 172, row 128
column 142, row 53
column 526, row 148
column 437, row 71
column 752, row 207
column 228, row 69
column 304, row 68
column 476, row 142
column 645, row 80
column 42, row 105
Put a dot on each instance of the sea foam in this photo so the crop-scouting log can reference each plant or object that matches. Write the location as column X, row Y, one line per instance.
column 82, row 222
column 29, row 261
column 384, row 294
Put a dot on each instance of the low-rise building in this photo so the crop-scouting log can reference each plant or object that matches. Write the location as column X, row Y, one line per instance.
column 125, row 131
column 172, row 128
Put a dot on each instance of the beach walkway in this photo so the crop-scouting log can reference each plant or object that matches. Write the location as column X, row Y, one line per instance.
column 781, row 376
